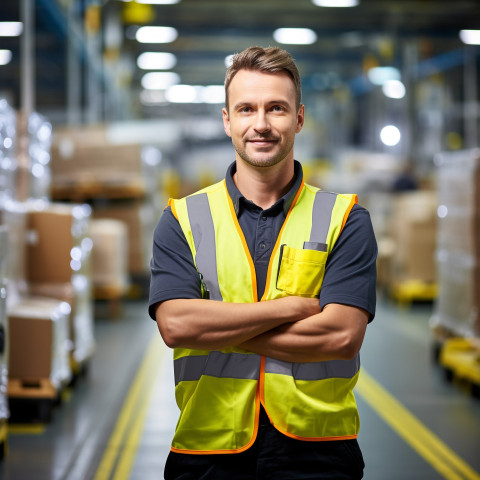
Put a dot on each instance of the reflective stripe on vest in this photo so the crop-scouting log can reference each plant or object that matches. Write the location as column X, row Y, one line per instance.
column 217, row 364
column 219, row 392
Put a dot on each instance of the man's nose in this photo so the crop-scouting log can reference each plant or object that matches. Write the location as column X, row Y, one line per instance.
column 261, row 122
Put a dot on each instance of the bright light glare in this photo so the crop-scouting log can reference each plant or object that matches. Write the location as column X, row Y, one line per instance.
column 380, row 75
column 295, row 36
column 195, row 94
column 470, row 37
column 442, row 211
column 11, row 29
column 229, row 60
column 390, row 135
column 156, row 34
column 394, row 89
column 335, row 3
column 5, row 57
column 213, row 94
column 156, row 61
column 182, row 94
column 159, row 80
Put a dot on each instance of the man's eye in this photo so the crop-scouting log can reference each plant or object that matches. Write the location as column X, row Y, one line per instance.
column 277, row 108
column 245, row 109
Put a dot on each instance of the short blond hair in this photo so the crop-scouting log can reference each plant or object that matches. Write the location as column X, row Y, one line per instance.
column 268, row 60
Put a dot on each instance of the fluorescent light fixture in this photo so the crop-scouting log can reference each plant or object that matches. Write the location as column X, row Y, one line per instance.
column 159, row 80
column 380, row 75
column 156, row 61
column 156, row 34
column 335, row 3
column 11, row 29
column 295, row 36
column 390, row 135
column 159, row 2
column 183, row 94
column 5, row 57
column 213, row 94
column 394, row 89
column 470, row 37
column 195, row 94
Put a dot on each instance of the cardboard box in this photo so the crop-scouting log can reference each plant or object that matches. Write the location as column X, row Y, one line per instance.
column 78, row 294
column 140, row 218
column 55, row 230
column 414, row 231
column 110, row 254
column 38, row 341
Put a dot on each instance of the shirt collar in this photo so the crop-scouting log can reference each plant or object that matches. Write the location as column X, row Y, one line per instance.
column 287, row 199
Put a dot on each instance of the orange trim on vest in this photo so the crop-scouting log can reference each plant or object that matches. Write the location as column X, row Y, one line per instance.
column 244, row 243
column 347, row 213
column 171, row 204
column 277, row 243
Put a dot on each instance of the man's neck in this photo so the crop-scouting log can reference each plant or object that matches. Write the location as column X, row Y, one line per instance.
column 264, row 185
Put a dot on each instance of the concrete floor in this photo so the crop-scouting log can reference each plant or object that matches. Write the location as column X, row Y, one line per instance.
column 117, row 421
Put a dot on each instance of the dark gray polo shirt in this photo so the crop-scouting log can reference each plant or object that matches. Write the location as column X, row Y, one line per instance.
column 350, row 271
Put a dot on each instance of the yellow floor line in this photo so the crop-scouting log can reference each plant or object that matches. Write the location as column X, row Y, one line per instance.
column 129, row 452
column 30, row 429
column 417, row 435
column 139, row 384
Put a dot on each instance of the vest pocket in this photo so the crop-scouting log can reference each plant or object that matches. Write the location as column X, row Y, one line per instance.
column 301, row 271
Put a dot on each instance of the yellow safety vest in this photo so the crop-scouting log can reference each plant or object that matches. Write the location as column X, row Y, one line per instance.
column 219, row 392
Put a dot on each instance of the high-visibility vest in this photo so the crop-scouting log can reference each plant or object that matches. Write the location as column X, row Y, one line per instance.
column 219, row 392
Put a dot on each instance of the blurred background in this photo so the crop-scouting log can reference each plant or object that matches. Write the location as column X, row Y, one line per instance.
column 110, row 107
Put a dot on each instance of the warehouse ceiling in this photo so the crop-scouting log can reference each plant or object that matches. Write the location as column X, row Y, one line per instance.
column 101, row 35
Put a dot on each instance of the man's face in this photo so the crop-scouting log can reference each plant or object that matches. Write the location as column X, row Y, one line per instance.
column 262, row 119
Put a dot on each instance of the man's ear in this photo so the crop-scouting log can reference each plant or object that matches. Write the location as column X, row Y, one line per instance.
column 300, row 118
column 226, row 122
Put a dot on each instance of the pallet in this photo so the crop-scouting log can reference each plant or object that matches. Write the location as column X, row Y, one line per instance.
column 460, row 358
column 31, row 400
column 92, row 189
column 410, row 291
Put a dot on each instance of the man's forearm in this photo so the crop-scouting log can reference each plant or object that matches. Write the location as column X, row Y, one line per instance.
column 335, row 333
column 208, row 324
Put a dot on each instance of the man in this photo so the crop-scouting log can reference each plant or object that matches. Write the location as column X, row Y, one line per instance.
column 264, row 287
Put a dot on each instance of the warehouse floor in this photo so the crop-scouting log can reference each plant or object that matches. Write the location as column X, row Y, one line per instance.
column 117, row 420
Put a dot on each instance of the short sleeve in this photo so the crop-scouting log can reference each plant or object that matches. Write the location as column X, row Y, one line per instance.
column 350, row 272
column 172, row 270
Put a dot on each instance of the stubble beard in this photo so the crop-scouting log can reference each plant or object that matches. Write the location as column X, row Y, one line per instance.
column 262, row 159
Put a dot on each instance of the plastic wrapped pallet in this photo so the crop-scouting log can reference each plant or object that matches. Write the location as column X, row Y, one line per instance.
column 58, row 266
column 414, row 223
column 458, row 243
column 14, row 215
column 110, row 256
column 4, row 413
column 39, row 363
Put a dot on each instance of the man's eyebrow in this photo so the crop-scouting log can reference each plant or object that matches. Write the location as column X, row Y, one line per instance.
column 284, row 103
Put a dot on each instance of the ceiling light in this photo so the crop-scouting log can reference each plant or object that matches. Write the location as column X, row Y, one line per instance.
column 380, row 75
column 5, row 57
column 183, row 94
column 335, row 3
column 11, row 29
column 295, row 36
column 394, row 89
column 159, row 80
column 156, row 61
column 156, row 34
column 470, row 37
column 390, row 135
column 229, row 60
column 213, row 94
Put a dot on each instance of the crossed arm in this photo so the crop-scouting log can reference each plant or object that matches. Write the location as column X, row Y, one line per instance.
column 292, row 329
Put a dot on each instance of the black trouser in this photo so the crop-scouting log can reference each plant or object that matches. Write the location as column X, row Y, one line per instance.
column 273, row 456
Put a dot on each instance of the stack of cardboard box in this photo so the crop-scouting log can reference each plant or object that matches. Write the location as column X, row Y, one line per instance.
column 458, row 243
column 413, row 230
